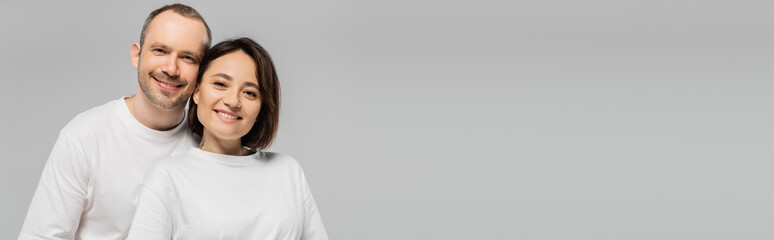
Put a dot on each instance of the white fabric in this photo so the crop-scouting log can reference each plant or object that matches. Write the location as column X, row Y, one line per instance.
column 204, row 195
column 91, row 182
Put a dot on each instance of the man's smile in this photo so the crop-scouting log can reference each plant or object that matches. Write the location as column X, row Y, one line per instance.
column 166, row 85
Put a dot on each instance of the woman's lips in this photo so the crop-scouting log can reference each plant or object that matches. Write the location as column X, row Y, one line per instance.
column 226, row 116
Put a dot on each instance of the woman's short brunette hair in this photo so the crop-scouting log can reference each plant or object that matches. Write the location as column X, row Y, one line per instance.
column 264, row 130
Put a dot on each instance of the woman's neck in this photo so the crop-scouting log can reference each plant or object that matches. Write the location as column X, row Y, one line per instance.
column 228, row 147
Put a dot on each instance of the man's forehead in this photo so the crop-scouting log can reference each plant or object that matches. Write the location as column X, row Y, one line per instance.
column 171, row 28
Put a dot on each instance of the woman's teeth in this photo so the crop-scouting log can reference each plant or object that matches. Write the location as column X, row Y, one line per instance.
column 226, row 115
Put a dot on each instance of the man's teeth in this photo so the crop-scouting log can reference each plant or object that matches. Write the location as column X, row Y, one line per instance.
column 168, row 85
column 226, row 115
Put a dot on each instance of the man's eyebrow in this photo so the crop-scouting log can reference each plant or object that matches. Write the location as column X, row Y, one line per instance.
column 164, row 46
column 159, row 45
column 197, row 55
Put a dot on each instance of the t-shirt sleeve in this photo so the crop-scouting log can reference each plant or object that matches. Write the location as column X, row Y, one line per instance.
column 59, row 200
column 313, row 225
column 151, row 220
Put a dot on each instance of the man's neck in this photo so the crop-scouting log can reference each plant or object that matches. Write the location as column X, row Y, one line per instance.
column 151, row 116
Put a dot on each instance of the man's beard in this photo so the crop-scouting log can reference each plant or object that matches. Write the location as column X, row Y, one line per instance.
column 158, row 99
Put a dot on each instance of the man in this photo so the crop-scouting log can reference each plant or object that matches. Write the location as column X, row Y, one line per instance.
column 90, row 184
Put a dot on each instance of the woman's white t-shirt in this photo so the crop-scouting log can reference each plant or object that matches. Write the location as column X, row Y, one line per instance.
column 204, row 195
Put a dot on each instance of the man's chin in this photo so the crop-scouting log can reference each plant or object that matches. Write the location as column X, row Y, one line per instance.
column 168, row 102
column 164, row 99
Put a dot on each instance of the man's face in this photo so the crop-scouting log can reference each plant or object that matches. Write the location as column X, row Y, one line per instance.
column 168, row 61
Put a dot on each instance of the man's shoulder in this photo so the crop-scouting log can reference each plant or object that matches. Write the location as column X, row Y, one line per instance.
column 172, row 162
column 93, row 120
column 160, row 173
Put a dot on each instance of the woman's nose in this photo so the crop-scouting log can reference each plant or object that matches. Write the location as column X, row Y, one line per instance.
column 232, row 99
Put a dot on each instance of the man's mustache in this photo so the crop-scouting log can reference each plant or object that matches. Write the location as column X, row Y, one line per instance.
column 166, row 78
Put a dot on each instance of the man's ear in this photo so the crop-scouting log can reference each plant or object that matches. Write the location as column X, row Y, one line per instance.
column 195, row 95
column 135, row 53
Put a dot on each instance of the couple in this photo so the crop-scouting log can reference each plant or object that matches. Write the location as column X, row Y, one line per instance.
column 139, row 168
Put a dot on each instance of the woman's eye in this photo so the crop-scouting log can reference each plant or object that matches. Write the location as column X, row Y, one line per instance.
column 252, row 94
column 220, row 84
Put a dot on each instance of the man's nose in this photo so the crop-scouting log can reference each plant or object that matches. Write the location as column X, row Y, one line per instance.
column 170, row 67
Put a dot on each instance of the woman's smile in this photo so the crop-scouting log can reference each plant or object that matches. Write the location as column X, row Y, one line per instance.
column 227, row 116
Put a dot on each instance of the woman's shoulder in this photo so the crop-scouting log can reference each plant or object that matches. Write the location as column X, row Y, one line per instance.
column 275, row 158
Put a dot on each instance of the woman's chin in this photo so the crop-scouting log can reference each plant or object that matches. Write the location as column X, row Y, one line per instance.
column 225, row 135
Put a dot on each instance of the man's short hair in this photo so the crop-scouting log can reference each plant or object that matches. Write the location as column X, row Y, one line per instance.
column 264, row 130
column 183, row 10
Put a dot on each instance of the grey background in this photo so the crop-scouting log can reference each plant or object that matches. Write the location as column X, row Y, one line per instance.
column 432, row 119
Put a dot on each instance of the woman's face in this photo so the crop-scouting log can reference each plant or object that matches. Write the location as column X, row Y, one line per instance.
column 227, row 98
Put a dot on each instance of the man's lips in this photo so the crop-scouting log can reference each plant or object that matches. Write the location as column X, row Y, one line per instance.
column 166, row 85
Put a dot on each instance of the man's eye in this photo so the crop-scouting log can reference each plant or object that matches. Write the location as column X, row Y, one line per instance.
column 158, row 50
column 189, row 59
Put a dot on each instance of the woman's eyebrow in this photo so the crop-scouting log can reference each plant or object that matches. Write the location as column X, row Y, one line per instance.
column 252, row 84
column 227, row 77
column 223, row 75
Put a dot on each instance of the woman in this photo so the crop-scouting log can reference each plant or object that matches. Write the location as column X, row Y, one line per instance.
column 224, row 189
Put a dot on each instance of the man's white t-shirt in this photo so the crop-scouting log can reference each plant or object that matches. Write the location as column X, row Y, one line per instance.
column 91, row 182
